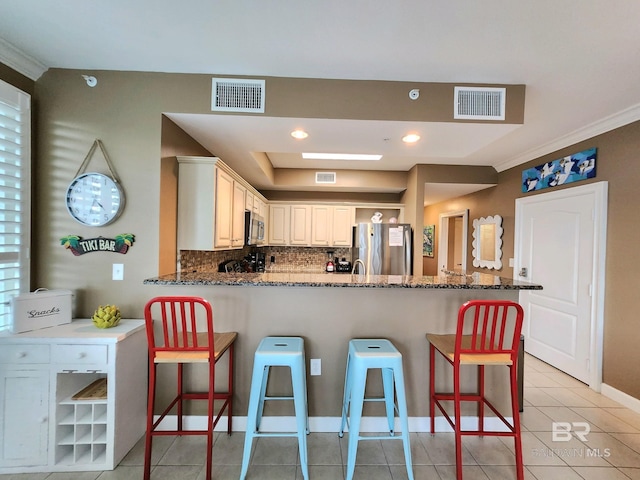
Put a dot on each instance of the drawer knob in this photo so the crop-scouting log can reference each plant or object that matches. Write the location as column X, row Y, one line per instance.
column 22, row 354
column 81, row 355
column 43, row 419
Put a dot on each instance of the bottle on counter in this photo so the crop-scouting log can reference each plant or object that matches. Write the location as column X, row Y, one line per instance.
column 330, row 267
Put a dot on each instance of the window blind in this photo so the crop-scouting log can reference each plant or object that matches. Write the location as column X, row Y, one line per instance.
column 15, row 194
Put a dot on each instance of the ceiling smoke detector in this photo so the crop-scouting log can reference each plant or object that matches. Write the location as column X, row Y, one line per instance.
column 91, row 80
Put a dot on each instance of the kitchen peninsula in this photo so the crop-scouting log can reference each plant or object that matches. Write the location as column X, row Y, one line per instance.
column 472, row 281
column 327, row 310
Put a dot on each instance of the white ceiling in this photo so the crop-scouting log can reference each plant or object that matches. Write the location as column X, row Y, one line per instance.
column 579, row 60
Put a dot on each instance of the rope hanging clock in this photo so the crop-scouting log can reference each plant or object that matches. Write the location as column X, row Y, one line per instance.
column 95, row 199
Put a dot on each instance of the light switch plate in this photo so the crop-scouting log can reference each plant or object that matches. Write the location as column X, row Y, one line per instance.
column 315, row 367
column 118, row 271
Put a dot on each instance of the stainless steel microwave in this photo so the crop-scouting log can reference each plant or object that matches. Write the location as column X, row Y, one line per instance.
column 253, row 229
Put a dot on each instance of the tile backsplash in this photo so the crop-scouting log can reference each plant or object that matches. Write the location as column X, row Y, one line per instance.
column 303, row 259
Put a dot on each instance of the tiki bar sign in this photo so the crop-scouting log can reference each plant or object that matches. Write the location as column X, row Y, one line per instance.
column 80, row 246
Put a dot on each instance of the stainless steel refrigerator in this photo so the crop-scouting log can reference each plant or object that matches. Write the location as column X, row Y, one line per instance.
column 383, row 248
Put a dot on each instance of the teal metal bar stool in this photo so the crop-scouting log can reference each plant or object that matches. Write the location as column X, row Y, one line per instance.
column 363, row 355
column 280, row 352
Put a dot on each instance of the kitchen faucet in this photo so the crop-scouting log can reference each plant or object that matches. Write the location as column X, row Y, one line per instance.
column 355, row 265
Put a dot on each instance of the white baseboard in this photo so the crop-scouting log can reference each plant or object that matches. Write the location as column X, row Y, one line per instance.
column 620, row 397
column 330, row 424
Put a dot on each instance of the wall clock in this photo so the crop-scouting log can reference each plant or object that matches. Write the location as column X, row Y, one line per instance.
column 95, row 199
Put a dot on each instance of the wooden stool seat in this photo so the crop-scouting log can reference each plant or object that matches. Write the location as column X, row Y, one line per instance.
column 221, row 343
column 446, row 345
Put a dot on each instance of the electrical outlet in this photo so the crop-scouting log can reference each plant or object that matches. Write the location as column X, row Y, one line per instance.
column 315, row 366
column 118, row 271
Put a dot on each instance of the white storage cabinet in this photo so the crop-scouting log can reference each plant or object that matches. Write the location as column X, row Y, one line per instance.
column 42, row 427
column 212, row 200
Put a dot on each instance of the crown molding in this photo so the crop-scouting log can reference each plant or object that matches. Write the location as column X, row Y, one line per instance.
column 20, row 61
column 604, row 125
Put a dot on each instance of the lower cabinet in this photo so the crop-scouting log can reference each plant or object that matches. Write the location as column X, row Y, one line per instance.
column 70, row 400
column 24, row 423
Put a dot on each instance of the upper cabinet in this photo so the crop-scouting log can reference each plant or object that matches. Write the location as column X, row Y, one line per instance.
column 322, row 220
column 342, row 226
column 310, row 225
column 223, row 209
column 300, row 233
column 289, row 224
column 237, row 214
column 279, row 227
column 212, row 200
column 248, row 201
column 331, row 225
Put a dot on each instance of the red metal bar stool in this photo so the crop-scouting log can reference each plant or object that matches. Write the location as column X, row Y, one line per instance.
column 488, row 333
column 186, row 335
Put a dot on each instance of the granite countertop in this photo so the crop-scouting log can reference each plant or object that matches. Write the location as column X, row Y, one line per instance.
column 301, row 279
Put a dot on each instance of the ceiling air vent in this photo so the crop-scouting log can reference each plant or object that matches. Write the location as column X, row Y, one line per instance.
column 237, row 95
column 479, row 103
column 325, row 177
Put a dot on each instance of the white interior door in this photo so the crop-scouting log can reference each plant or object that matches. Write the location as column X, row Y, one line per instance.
column 445, row 256
column 560, row 245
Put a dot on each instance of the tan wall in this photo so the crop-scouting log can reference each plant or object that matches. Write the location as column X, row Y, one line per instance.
column 617, row 163
column 125, row 111
column 174, row 142
column 393, row 181
column 16, row 79
column 372, row 99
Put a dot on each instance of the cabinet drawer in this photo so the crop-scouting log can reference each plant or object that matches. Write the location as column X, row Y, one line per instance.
column 20, row 354
column 79, row 354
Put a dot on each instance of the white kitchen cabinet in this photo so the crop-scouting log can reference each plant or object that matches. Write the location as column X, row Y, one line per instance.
column 223, row 207
column 248, row 201
column 321, row 225
column 300, row 233
column 43, row 428
column 212, row 200
column 262, row 209
column 342, row 226
column 279, row 224
column 24, row 403
column 331, row 225
column 237, row 215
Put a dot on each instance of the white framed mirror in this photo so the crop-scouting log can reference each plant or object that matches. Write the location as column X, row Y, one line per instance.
column 487, row 242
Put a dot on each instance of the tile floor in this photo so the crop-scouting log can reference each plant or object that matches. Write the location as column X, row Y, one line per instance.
column 612, row 451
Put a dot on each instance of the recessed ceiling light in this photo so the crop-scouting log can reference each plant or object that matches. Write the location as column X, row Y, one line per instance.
column 411, row 138
column 340, row 156
column 299, row 134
